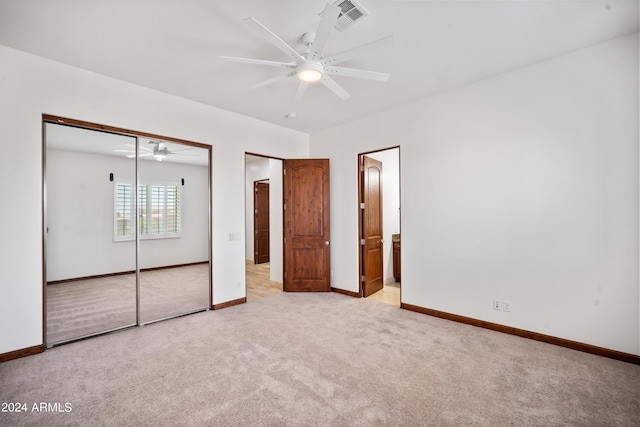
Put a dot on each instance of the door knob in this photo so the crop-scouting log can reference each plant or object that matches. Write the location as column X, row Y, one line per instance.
column 326, row 243
column 381, row 240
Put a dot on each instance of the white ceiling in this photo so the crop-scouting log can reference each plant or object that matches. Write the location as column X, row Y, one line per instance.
column 174, row 46
column 70, row 138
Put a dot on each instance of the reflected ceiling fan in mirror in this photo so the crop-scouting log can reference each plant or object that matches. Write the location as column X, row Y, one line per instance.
column 310, row 65
column 159, row 150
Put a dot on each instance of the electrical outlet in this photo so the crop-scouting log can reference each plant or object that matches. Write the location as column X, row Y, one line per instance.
column 497, row 304
column 506, row 305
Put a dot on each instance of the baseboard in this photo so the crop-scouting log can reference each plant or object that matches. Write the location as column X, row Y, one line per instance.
column 142, row 270
column 342, row 291
column 561, row 342
column 120, row 273
column 229, row 303
column 16, row 354
column 97, row 276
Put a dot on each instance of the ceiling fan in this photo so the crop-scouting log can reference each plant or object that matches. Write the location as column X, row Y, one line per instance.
column 159, row 151
column 310, row 65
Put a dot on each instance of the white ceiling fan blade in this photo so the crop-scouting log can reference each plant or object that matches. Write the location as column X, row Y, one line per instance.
column 173, row 153
column 335, row 88
column 359, row 50
column 259, row 62
column 269, row 81
column 142, row 147
column 302, row 87
column 272, row 38
column 329, row 19
column 124, row 151
column 359, row 74
column 144, row 155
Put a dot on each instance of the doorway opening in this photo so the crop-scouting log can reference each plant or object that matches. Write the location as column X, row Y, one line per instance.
column 379, row 225
column 263, row 226
column 299, row 225
column 261, row 223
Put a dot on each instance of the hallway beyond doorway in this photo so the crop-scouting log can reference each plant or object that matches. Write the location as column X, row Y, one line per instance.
column 258, row 283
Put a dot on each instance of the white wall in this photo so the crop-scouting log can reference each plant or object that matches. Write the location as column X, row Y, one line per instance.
column 523, row 187
column 80, row 215
column 276, row 232
column 193, row 244
column 31, row 86
column 390, row 204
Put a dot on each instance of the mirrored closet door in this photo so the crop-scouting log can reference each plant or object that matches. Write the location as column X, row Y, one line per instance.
column 173, row 215
column 89, row 233
column 126, row 229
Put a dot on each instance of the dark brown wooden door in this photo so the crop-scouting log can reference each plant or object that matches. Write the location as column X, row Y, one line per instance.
column 372, row 253
column 306, row 226
column 261, row 221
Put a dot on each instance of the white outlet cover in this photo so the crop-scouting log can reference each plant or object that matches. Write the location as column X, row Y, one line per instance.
column 506, row 305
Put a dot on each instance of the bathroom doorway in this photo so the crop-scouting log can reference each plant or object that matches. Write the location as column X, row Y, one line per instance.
column 379, row 225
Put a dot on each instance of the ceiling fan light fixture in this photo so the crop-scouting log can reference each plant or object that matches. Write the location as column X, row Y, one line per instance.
column 310, row 72
column 160, row 153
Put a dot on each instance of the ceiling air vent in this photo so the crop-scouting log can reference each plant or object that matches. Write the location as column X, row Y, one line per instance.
column 351, row 12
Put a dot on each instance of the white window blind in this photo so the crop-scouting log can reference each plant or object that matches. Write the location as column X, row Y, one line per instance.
column 173, row 210
column 159, row 211
column 143, row 224
column 124, row 226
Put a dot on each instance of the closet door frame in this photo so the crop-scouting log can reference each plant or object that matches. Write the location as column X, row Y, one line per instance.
column 47, row 118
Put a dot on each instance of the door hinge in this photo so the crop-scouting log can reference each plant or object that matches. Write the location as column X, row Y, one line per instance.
column 284, row 171
column 362, row 279
column 284, row 206
column 362, row 242
column 285, row 240
column 361, row 205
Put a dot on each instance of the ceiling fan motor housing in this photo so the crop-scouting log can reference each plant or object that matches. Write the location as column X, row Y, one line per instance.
column 310, row 71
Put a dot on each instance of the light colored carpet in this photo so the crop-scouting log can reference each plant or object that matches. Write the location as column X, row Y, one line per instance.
column 319, row 360
column 79, row 308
